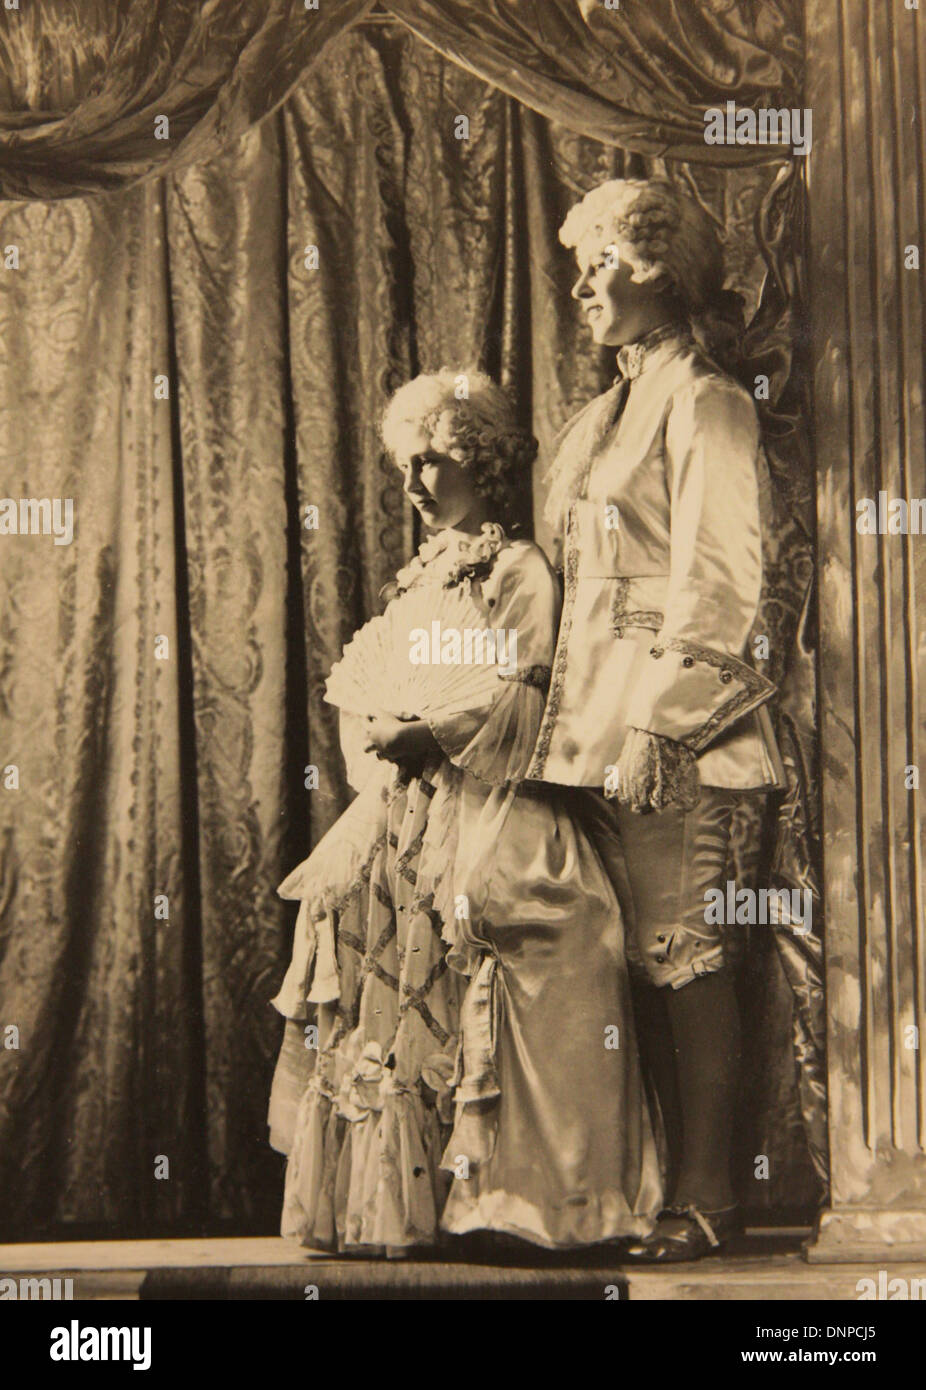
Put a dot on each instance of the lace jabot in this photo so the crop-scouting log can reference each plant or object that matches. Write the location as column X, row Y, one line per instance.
column 633, row 358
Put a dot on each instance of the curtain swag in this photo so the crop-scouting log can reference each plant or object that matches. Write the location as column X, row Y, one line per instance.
column 640, row 75
column 100, row 94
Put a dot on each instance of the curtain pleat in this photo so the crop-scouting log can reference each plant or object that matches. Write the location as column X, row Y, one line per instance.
column 105, row 1074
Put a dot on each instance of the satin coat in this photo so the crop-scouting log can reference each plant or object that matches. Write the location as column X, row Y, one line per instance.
column 662, row 574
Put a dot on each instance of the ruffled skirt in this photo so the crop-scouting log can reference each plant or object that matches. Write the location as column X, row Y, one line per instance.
column 361, row 1100
column 471, row 1060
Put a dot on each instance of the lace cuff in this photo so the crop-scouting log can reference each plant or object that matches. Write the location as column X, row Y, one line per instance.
column 658, row 772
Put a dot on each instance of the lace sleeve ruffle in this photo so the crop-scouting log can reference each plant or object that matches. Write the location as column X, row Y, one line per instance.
column 669, row 770
column 496, row 744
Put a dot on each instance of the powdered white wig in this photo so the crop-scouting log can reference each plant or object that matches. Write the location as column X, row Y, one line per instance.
column 658, row 230
column 470, row 419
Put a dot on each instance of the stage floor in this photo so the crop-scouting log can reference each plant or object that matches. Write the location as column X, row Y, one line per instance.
column 763, row 1264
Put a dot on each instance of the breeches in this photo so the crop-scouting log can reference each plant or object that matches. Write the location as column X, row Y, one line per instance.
column 661, row 865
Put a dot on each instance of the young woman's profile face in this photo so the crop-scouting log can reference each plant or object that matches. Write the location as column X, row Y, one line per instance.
column 435, row 484
column 618, row 310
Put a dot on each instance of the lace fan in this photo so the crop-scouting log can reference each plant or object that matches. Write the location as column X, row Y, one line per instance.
column 430, row 652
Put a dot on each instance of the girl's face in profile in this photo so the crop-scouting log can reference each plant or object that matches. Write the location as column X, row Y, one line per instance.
column 435, row 484
column 618, row 309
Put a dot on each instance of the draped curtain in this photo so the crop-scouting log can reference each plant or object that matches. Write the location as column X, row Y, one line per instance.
column 161, row 677
column 83, row 83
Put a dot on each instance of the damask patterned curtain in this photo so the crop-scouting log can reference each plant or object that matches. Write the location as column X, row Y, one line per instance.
column 162, row 783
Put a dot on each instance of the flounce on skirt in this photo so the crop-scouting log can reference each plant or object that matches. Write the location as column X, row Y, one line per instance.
column 365, row 1116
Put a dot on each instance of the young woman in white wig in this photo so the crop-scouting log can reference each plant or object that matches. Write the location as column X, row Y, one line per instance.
column 655, row 491
column 459, row 946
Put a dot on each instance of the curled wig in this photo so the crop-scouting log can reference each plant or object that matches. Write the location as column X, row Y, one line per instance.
column 662, row 233
column 470, row 419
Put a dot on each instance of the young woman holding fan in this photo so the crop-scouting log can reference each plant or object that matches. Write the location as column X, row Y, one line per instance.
column 459, row 947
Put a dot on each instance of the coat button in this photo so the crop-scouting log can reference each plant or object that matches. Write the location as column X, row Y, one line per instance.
column 655, row 651
column 660, row 938
column 687, row 660
column 726, row 677
column 660, row 960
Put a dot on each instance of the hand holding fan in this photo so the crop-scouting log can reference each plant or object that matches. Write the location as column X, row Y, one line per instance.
column 429, row 653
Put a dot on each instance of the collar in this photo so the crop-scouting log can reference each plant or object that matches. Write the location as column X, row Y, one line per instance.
column 460, row 555
column 634, row 358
